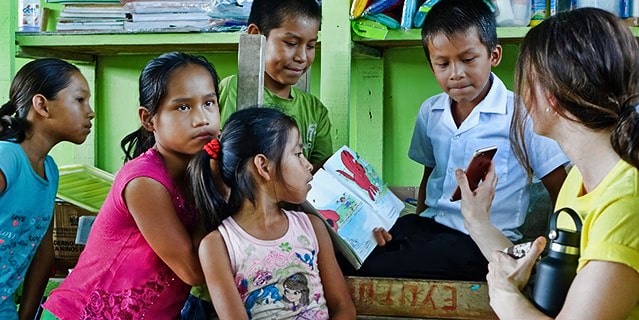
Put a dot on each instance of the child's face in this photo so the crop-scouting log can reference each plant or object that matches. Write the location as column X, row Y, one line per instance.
column 296, row 170
column 71, row 111
column 188, row 116
column 462, row 65
column 289, row 52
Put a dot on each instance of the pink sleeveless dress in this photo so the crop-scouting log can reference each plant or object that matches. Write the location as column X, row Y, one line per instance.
column 118, row 275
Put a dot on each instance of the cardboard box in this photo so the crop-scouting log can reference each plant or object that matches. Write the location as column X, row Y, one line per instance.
column 65, row 227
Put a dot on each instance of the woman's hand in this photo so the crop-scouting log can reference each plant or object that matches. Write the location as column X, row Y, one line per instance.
column 508, row 276
column 505, row 271
column 475, row 204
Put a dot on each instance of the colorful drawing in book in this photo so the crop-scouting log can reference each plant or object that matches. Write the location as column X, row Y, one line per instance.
column 359, row 174
column 344, row 208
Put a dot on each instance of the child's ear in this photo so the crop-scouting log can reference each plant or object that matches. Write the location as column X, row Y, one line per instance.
column 495, row 56
column 40, row 105
column 146, row 118
column 261, row 164
column 253, row 29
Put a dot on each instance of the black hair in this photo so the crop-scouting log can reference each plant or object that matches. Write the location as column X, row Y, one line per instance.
column 153, row 86
column 47, row 76
column 271, row 14
column 452, row 17
column 247, row 133
column 588, row 60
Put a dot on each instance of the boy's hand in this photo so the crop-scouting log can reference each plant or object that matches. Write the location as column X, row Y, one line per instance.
column 382, row 236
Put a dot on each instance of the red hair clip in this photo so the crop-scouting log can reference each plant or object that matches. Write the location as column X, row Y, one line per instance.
column 213, row 148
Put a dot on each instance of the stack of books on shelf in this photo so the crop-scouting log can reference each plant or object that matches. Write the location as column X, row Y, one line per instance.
column 163, row 15
column 78, row 15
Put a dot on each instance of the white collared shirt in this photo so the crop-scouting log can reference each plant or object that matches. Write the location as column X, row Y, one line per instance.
column 438, row 143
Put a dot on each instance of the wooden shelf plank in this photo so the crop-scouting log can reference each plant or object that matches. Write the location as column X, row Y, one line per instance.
column 101, row 44
column 413, row 38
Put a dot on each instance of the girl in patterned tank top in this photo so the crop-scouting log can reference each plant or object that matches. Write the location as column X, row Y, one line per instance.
column 261, row 261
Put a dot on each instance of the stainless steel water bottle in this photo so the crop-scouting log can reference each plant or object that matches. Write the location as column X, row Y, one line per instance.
column 558, row 268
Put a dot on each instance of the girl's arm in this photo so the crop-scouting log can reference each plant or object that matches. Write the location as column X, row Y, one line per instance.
column 220, row 279
column 152, row 209
column 37, row 276
column 601, row 290
column 339, row 302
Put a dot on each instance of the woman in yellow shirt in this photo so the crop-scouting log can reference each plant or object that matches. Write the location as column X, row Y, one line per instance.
column 578, row 75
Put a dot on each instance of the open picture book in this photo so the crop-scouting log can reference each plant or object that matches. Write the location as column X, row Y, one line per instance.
column 353, row 200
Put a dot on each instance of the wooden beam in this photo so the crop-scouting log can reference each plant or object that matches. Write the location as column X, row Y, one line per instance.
column 250, row 71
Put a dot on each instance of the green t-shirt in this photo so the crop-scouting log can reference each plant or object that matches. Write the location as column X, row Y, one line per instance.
column 309, row 112
column 609, row 217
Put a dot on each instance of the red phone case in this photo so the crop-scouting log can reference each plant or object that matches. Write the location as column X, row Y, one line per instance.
column 477, row 169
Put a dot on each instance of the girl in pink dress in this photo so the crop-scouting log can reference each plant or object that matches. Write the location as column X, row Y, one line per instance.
column 141, row 256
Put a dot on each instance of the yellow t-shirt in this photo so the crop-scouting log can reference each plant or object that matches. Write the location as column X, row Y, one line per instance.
column 610, row 217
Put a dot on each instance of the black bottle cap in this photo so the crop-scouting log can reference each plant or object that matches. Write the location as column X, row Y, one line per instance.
column 564, row 237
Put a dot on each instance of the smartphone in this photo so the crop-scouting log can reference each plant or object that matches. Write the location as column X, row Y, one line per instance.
column 477, row 169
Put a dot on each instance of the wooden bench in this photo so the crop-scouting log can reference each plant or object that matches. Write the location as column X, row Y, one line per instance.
column 388, row 298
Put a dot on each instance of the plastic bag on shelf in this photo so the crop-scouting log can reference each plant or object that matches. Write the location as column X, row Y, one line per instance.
column 166, row 6
column 234, row 11
column 512, row 13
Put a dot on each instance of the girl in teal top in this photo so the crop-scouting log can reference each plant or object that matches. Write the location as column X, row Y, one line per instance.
column 48, row 103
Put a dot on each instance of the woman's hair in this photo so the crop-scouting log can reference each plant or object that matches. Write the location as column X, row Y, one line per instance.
column 153, row 87
column 452, row 17
column 588, row 60
column 271, row 14
column 247, row 133
column 47, row 77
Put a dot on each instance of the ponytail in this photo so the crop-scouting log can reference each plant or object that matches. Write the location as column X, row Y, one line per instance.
column 136, row 143
column 208, row 195
column 625, row 135
column 11, row 128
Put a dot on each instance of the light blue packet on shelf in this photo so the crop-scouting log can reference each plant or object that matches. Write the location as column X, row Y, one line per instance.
column 386, row 20
column 408, row 12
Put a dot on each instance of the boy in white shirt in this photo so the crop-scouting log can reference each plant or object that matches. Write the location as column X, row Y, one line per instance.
column 474, row 111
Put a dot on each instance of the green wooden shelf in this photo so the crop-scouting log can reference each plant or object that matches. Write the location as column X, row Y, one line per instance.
column 413, row 38
column 86, row 46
